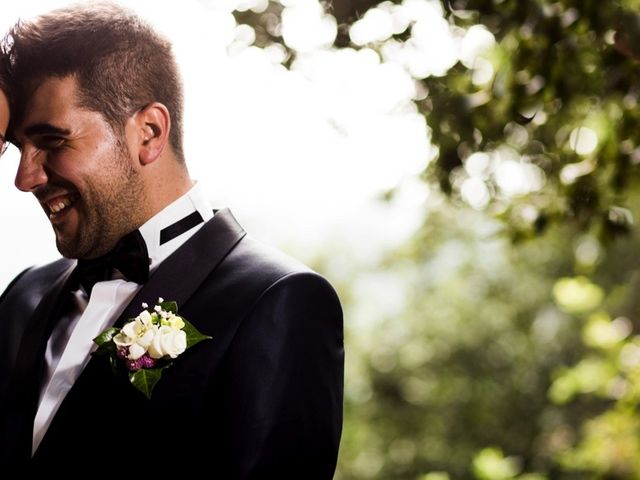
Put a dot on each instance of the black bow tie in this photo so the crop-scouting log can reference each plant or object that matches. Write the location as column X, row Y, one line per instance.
column 130, row 257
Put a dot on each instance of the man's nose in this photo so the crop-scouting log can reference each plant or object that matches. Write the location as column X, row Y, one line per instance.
column 31, row 173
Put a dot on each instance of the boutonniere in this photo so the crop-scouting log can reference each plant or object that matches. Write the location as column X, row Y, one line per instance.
column 148, row 343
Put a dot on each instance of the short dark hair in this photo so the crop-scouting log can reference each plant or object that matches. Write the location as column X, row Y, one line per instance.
column 5, row 83
column 120, row 62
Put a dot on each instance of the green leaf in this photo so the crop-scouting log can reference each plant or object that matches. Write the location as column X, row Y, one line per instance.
column 105, row 343
column 145, row 379
column 193, row 335
column 169, row 307
column 106, row 336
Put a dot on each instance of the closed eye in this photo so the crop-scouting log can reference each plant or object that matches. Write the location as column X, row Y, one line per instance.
column 49, row 142
column 46, row 136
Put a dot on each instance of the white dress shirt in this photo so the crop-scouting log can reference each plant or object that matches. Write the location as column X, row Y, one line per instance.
column 71, row 343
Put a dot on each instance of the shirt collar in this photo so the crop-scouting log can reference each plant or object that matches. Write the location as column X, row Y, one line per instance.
column 192, row 201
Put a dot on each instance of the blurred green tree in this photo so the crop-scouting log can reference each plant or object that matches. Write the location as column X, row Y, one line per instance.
column 505, row 358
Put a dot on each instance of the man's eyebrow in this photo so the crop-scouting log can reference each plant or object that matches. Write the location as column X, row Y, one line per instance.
column 45, row 129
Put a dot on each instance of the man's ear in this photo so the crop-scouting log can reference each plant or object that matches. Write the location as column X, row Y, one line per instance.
column 152, row 126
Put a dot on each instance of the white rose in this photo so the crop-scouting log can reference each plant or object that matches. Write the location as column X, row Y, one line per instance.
column 168, row 342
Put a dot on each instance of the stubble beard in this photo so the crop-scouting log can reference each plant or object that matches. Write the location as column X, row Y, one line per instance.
column 108, row 209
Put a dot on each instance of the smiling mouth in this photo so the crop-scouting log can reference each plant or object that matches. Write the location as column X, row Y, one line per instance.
column 59, row 204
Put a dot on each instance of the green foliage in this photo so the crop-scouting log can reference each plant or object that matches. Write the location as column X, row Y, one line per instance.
column 609, row 446
column 193, row 334
column 491, row 464
column 576, row 295
column 145, row 379
column 557, row 72
column 481, row 371
column 467, row 362
column 484, row 355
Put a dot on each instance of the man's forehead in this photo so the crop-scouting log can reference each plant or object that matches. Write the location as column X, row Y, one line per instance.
column 49, row 103
column 52, row 93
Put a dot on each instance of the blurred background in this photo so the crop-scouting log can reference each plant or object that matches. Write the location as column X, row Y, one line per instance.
column 466, row 174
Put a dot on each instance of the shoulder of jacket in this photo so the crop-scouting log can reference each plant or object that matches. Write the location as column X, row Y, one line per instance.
column 39, row 278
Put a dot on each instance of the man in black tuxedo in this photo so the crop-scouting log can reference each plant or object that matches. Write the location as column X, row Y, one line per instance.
column 97, row 117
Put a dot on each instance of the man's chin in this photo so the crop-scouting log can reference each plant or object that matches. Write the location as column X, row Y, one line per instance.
column 68, row 246
column 67, row 251
column 67, row 234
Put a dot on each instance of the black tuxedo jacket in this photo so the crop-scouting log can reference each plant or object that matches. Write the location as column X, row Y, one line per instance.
column 262, row 399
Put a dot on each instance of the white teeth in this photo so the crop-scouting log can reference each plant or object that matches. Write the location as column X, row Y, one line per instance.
column 59, row 206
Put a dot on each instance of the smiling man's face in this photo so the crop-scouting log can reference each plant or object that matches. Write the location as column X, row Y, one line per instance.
column 84, row 178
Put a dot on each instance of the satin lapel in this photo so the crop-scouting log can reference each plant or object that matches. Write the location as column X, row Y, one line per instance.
column 177, row 278
column 180, row 275
column 25, row 386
